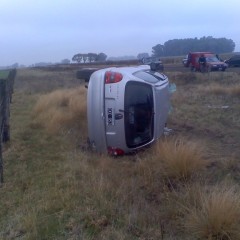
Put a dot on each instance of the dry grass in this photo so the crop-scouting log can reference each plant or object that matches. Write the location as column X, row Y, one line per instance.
column 62, row 111
column 219, row 89
column 180, row 159
column 55, row 190
column 235, row 90
column 32, row 81
column 214, row 212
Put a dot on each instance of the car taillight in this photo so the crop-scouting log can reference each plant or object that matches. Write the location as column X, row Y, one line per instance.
column 115, row 151
column 112, row 77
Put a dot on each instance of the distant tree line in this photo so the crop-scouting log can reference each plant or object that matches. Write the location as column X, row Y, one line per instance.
column 178, row 47
column 89, row 57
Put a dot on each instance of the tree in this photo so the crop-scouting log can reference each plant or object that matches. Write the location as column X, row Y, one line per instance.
column 101, row 57
column 77, row 58
column 15, row 65
column 142, row 55
column 65, row 61
column 177, row 47
column 158, row 50
column 92, row 57
column 84, row 57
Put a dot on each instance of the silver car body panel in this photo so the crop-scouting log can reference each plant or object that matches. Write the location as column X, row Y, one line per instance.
column 95, row 112
column 105, row 105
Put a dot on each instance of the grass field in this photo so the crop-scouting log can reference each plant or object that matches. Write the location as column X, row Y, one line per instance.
column 186, row 186
column 4, row 74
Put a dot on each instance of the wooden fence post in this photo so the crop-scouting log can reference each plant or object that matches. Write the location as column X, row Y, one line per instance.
column 6, row 112
column 1, row 165
column 6, row 90
column 2, row 97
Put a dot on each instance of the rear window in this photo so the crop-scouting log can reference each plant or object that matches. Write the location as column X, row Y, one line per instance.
column 149, row 76
column 138, row 117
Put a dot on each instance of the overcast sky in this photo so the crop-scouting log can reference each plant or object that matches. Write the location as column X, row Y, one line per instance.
column 33, row 31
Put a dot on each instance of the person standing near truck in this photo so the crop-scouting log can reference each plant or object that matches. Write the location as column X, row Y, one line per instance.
column 202, row 63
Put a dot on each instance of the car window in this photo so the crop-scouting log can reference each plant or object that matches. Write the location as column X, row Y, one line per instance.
column 138, row 117
column 212, row 59
column 149, row 76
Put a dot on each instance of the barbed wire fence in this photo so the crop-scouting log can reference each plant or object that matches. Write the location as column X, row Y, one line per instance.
column 6, row 91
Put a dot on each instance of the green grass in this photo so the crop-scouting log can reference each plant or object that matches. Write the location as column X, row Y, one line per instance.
column 4, row 74
column 55, row 189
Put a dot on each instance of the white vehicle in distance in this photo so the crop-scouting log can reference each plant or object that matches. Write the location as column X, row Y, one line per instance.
column 127, row 108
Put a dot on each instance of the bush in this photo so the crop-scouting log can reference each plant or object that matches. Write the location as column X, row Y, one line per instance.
column 214, row 213
column 62, row 110
column 180, row 158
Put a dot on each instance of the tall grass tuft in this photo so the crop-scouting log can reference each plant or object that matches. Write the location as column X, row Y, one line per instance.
column 62, row 111
column 214, row 212
column 170, row 163
column 180, row 159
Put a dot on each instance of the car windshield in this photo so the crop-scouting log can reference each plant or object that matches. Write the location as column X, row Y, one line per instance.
column 149, row 76
column 138, row 117
column 212, row 59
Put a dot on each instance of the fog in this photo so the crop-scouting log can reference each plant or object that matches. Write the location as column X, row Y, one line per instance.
column 50, row 31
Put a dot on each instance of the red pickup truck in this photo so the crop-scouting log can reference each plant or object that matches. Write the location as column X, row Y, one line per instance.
column 213, row 63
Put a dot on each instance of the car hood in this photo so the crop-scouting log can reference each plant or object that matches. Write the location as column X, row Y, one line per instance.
column 216, row 63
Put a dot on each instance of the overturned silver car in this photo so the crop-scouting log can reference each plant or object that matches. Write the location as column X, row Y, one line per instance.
column 127, row 108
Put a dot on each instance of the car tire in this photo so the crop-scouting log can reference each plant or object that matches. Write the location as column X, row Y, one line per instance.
column 153, row 66
column 85, row 74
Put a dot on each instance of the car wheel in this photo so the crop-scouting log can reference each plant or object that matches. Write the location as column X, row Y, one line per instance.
column 85, row 73
column 153, row 66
